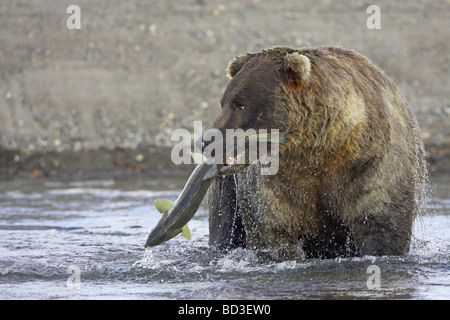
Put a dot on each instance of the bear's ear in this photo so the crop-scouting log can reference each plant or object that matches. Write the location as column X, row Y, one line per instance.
column 237, row 63
column 296, row 67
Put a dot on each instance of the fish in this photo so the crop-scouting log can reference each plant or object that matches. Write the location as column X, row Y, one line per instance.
column 186, row 205
column 268, row 137
column 164, row 206
column 176, row 215
column 232, row 161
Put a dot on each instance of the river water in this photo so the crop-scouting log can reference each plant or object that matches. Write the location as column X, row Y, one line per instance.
column 85, row 240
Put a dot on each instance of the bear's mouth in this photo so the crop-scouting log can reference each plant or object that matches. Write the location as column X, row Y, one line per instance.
column 234, row 164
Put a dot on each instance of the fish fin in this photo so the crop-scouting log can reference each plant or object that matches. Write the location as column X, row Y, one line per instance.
column 212, row 172
column 163, row 205
column 198, row 158
column 186, row 232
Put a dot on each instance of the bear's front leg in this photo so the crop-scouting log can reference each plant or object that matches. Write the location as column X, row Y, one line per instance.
column 225, row 224
column 383, row 234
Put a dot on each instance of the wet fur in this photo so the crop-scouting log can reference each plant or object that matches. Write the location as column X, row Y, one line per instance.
column 351, row 176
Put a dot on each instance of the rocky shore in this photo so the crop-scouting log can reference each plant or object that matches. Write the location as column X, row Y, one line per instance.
column 104, row 100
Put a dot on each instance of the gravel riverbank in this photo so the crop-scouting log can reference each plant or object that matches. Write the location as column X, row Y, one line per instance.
column 104, row 100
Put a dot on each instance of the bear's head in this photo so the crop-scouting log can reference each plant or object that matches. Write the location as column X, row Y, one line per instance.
column 259, row 96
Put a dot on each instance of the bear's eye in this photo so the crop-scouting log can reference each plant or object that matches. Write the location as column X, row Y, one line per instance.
column 241, row 107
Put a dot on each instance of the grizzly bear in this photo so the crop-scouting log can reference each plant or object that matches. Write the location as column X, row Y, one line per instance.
column 351, row 174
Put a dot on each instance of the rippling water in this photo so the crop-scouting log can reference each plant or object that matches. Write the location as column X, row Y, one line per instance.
column 84, row 240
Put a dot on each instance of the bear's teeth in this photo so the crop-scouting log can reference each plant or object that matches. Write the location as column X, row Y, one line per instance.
column 231, row 160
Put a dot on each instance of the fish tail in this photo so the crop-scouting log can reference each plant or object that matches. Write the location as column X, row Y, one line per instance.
column 186, row 232
column 163, row 205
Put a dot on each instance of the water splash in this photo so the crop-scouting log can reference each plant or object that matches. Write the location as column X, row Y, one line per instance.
column 34, row 260
column 147, row 260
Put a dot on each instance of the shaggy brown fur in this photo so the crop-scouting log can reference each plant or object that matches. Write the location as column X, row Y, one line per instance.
column 351, row 175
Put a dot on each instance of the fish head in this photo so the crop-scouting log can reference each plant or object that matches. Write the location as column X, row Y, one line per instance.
column 156, row 237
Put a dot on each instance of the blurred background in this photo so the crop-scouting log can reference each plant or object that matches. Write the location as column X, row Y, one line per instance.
column 103, row 100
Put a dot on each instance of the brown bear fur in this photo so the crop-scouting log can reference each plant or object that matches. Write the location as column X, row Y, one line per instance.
column 352, row 172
